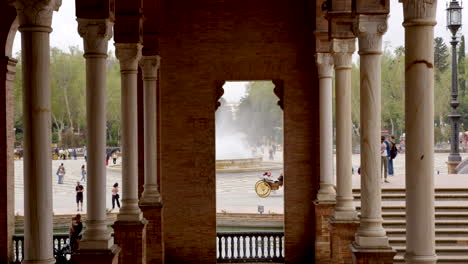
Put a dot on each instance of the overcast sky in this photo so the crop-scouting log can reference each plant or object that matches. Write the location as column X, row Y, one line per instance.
column 65, row 33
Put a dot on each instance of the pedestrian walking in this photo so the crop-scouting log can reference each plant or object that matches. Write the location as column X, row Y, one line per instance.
column 60, row 173
column 79, row 196
column 384, row 159
column 83, row 173
column 85, row 154
column 115, row 196
column 74, row 154
column 114, row 157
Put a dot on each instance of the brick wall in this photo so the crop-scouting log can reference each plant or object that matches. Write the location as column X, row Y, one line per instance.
column 210, row 40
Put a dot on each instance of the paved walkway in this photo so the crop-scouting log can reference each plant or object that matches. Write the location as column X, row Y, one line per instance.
column 235, row 191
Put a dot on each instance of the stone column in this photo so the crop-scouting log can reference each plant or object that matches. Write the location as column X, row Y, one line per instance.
column 371, row 243
column 7, row 140
column 129, row 227
column 97, row 244
column 35, row 19
column 150, row 202
column 325, row 202
column 325, row 75
column 419, row 22
column 344, row 221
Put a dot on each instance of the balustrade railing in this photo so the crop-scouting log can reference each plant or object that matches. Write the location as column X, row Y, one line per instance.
column 250, row 247
column 60, row 241
column 230, row 247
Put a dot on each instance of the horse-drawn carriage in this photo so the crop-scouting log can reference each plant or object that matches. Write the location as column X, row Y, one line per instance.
column 264, row 186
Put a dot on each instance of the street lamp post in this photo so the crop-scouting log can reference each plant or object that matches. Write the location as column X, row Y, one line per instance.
column 454, row 22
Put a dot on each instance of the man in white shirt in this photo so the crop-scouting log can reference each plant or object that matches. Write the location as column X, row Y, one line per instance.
column 384, row 158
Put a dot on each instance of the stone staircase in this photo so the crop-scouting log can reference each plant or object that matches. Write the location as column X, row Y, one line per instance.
column 451, row 221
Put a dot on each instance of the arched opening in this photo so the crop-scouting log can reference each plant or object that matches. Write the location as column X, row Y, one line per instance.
column 249, row 172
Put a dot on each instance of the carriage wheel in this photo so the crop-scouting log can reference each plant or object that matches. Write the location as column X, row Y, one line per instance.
column 263, row 189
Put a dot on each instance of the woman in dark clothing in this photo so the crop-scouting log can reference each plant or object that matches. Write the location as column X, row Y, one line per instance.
column 115, row 195
column 75, row 230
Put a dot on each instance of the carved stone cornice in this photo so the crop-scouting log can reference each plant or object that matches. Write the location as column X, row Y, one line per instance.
column 34, row 14
column 324, row 65
column 150, row 66
column 419, row 12
column 369, row 29
column 96, row 34
column 128, row 54
column 322, row 42
column 342, row 51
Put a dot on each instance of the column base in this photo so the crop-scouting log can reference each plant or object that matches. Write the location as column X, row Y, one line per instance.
column 98, row 256
column 341, row 236
column 452, row 165
column 46, row 261
column 382, row 255
column 323, row 211
column 131, row 238
column 154, row 242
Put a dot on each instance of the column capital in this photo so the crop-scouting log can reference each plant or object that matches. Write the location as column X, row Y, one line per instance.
column 369, row 30
column 35, row 13
column 150, row 66
column 417, row 12
column 128, row 55
column 96, row 34
column 342, row 50
column 324, row 64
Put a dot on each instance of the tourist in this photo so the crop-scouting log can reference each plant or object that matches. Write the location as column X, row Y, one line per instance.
column 83, row 173
column 114, row 157
column 60, row 173
column 74, row 154
column 79, row 196
column 271, row 153
column 115, row 195
column 391, row 152
column 85, row 154
column 384, row 158
column 74, row 233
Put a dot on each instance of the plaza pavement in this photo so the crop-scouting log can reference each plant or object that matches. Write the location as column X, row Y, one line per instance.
column 235, row 191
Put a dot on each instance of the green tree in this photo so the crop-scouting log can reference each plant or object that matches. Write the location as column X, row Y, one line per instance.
column 441, row 55
column 258, row 114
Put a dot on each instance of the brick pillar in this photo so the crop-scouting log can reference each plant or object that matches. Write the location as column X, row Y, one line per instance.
column 7, row 177
column 374, row 256
column 341, row 236
column 323, row 211
column 131, row 236
column 154, row 245
column 97, row 256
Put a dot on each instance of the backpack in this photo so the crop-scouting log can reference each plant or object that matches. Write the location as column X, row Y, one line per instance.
column 393, row 151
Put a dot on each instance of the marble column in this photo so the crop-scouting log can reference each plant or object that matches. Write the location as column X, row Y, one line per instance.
column 150, row 202
column 96, row 34
column 150, row 66
column 129, row 54
column 419, row 22
column 325, row 202
column 343, row 50
column 7, row 140
column 130, row 225
column 35, row 19
column 371, row 237
column 344, row 221
column 325, row 75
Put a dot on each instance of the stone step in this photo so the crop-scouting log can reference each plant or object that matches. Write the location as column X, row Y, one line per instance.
column 454, row 259
column 438, row 215
column 438, row 196
column 436, row 190
column 439, row 207
column 452, row 232
column 439, row 241
column 441, row 250
column 455, row 223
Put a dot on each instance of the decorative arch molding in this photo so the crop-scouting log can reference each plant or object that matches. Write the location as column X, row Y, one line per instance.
column 11, row 38
column 219, row 93
column 279, row 91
